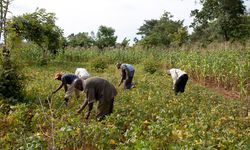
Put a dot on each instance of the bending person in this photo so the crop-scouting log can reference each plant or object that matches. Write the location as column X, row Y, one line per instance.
column 67, row 79
column 97, row 89
column 127, row 74
column 180, row 79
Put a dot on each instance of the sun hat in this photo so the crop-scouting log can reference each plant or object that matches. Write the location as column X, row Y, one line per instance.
column 57, row 75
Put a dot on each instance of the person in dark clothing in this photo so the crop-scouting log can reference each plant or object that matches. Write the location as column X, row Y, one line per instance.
column 180, row 79
column 67, row 79
column 98, row 89
column 127, row 74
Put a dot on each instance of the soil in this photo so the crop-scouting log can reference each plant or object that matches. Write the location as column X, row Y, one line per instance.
column 231, row 95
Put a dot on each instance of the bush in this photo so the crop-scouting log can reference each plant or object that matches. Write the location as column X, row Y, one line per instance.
column 11, row 84
column 151, row 66
column 4, row 107
column 99, row 64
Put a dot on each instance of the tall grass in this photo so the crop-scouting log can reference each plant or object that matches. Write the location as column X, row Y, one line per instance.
column 226, row 68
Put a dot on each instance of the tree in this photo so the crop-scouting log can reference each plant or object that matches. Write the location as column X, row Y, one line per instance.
column 147, row 27
column 224, row 14
column 11, row 80
column 105, row 37
column 245, row 26
column 125, row 43
column 206, row 34
column 163, row 32
column 39, row 27
column 81, row 39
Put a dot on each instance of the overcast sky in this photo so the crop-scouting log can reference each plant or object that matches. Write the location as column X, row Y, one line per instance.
column 125, row 16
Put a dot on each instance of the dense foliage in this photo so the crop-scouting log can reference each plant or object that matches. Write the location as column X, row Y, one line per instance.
column 164, row 32
column 39, row 27
column 11, row 85
column 11, row 79
column 105, row 37
column 80, row 40
column 220, row 20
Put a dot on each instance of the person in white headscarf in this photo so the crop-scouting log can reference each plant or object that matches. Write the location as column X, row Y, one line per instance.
column 180, row 79
column 82, row 73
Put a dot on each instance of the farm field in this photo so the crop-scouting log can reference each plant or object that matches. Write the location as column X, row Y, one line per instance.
column 148, row 116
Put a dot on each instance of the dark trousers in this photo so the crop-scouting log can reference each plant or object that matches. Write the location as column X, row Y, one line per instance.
column 128, row 82
column 181, row 83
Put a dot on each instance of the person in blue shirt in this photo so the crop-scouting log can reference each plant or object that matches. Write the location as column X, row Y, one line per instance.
column 127, row 74
column 67, row 79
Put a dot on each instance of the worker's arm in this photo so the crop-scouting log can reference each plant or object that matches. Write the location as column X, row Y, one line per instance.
column 60, row 86
column 83, row 106
column 120, row 82
column 123, row 76
column 90, row 98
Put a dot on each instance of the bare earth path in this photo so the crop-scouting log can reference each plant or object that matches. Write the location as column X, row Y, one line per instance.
column 231, row 95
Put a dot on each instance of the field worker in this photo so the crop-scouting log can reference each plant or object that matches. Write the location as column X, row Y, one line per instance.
column 98, row 89
column 180, row 79
column 67, row 79
column 82, row 73
column 127, row 74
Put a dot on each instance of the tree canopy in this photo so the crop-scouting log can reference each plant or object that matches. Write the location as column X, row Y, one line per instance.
column 223, row 17
column 39, row 27
column 105, row 37
column 163, row 32
column 82, row 39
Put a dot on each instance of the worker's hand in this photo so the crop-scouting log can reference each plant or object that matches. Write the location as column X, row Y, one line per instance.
column 79, row 111
column 87, row 115
column 66, row 100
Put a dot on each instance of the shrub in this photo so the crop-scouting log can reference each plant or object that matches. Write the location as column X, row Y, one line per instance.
column 99, row 64
column 11, row 80
column 11, row 84
column 151, row 66
column 4, row 107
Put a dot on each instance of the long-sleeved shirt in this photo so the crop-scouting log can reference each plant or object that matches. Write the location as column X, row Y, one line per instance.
column 97, row 88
